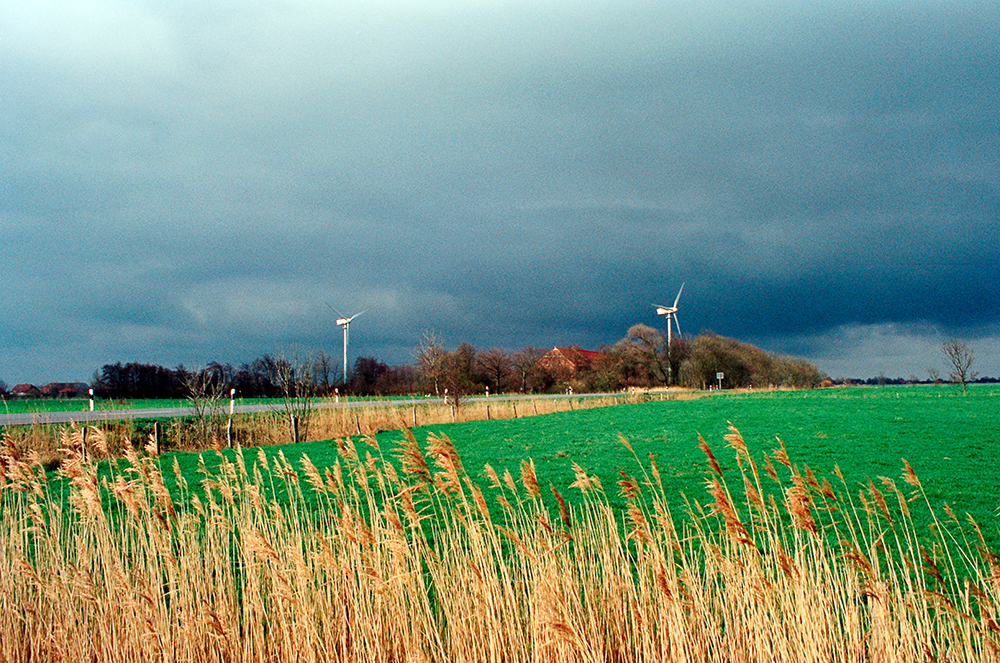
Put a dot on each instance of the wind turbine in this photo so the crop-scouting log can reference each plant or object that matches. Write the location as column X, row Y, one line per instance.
column 345, row 322
column 671, row 313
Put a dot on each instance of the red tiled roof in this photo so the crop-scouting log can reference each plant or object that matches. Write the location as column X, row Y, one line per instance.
column 570, row 357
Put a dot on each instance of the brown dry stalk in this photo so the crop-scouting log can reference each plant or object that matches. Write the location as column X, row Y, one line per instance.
column 712, row 462
column 529, row 479
column 243, row 566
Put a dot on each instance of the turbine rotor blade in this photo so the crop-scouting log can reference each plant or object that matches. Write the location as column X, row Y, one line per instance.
column 677, row 324
column 678, row 295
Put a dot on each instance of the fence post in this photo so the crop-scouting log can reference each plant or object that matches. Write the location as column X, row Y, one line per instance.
column 229, row 432
column 487, row 413
column 414, row 416
column 515, row 409
column 83, row 443
column 295, row 429
column 452, row 414
column 156, row 438
column 357, row 424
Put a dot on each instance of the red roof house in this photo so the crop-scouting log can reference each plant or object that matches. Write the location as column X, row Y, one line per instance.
column 25, row 390
column 568, row 360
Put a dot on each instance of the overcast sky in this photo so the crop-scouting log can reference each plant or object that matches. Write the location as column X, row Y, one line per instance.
column 185, row 181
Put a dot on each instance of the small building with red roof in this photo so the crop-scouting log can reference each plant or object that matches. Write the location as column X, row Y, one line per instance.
column 568, row 360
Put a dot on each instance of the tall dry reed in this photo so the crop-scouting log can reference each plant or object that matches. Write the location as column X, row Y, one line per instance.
column 275, row 426
column 400, row 555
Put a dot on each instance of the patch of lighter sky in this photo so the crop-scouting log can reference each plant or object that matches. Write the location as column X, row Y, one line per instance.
column 897, row 350
column 83, row 34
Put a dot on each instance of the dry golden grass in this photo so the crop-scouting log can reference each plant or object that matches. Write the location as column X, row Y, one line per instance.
column 398, row 556
column 330, row 423
column 324, row 423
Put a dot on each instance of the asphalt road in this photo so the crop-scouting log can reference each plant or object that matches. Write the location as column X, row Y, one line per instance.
column 86, row 416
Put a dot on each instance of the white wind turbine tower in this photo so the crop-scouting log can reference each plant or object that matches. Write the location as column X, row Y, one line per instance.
column 345, row 322
column 671, row 313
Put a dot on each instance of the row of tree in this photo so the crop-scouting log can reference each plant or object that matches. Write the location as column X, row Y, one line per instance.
column 642, row 359
column 268, row 376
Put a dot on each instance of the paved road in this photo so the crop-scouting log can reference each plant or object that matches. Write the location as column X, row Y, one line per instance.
column 84, row 416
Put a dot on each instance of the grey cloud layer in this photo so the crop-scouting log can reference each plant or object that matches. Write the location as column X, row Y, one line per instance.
column 184, row 182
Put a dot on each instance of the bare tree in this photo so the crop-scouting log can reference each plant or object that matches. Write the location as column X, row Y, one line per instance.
column 652, row 345
column 959, row 357
column 323, row 370
column 460, row 371
column 432, row 360
column 296, row 384
column 528, row 372
column 496, row 366
column 204, row 391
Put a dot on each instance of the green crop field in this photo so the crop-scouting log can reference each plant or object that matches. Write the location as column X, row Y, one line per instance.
column 949, row 440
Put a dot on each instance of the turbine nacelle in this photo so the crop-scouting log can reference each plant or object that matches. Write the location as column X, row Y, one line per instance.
column 344, row 321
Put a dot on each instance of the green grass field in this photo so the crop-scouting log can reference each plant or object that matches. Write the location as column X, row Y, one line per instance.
column 949, row 440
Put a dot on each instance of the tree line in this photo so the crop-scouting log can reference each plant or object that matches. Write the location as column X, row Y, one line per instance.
column 642, row 359
column 268, row 376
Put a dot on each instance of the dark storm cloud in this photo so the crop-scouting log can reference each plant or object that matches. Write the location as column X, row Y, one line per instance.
column 183, row 183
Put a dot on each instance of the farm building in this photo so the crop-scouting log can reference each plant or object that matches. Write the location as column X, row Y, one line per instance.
column 25, row 391
column 64, row 389
column 567, row 360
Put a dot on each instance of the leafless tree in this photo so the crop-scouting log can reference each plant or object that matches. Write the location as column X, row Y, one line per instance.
column 652, row 345
column 496, row 366
column 323, row 369
column 630, row 362
column 432, row 360
column 959, row 357
column 296, row 384
column 204, row 392
column 460, row 370
column 525, row 364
